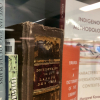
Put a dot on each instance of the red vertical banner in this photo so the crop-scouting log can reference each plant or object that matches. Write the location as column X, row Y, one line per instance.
column 62, row 13
column 70, row 70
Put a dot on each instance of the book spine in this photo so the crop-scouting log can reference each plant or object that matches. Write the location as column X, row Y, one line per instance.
column 62, row 14
column 10, row 74
column 13, row 78
column 2, row 50
column 6, row 76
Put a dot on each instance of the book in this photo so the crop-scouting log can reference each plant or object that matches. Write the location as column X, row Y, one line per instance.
column 12, row 76
column 6, row 77
column 62, row 14
column 70, row 70
column 2, row 51
column 40, row 60
column 2, row 74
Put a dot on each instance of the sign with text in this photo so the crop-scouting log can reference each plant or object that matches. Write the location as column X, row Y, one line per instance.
column 82, row 28
column 79, row 23
column 89, row 82
column 70, row 70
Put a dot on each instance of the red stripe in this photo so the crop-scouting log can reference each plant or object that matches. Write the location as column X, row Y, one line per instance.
column 62, row 14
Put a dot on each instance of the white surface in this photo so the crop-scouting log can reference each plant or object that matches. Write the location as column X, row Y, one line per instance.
column 72, row 14
column 89, row 91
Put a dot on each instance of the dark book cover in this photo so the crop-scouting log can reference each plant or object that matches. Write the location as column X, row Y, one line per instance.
column 40, row 60
column 6, row 76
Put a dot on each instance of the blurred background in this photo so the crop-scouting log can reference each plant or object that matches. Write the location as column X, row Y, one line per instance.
column 45, row 12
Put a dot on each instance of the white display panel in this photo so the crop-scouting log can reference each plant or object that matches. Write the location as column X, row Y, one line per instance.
column 82, row 28
column 80, row 24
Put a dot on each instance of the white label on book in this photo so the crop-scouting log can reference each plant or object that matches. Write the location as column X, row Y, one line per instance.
column 10, row 46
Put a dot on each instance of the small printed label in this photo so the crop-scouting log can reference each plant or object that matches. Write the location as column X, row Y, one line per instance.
column 10, row 46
